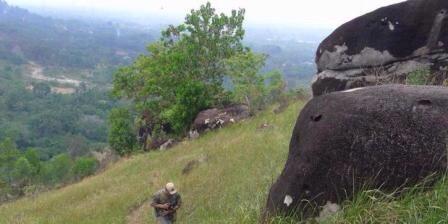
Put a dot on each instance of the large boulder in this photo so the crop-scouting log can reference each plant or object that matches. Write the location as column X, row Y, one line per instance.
column 385, row 46
column 383, row 137
column 216, row 118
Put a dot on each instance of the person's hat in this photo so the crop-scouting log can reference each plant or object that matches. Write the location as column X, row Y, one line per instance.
column 170, row 188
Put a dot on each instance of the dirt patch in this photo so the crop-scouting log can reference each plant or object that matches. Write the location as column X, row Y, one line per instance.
column 36, row 72
column 63, row 90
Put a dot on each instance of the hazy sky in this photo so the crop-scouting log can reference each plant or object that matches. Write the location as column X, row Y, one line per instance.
column 313, row 13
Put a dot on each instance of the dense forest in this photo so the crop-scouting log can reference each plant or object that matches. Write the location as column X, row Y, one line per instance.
column 45, row 137
column 54, row 97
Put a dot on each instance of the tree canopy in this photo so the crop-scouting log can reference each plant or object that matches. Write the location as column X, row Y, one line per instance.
column 184, row 72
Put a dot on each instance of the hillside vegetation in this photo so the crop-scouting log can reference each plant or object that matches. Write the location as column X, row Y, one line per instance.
column 55, row 77
column 234, row 169
column 229, row 185
column 66, row 43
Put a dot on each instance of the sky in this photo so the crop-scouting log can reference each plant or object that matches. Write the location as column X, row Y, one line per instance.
column 308, row 13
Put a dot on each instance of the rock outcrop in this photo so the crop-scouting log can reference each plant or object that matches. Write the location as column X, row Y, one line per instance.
column 385, row 46
column 167, row 145
column 383, row 137
column 216, row 118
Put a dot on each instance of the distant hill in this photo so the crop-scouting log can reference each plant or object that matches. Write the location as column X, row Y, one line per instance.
column 65, row 44
column 26, row 36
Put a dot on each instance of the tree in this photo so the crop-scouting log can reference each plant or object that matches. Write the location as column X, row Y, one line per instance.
column 252, row 87
column 184, row 71
column 248, row 83
column 76, row 145
column 191, row 97
column 84, row 167
column 210, row 38
column 122, row 137
column 276, row 87
column 32, row 155
column 55, row 122
column 57, row 170
column 41, row 89
column 8, row 156
column 16, row 100
column 23, row 171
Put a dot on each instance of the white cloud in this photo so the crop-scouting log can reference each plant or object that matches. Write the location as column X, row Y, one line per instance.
column 328, row 13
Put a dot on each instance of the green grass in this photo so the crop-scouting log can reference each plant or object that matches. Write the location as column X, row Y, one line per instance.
column 418, row 205
column 242, row 161
column 230, row 187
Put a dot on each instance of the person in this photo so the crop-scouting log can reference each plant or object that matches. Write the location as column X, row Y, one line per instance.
column 166, row 202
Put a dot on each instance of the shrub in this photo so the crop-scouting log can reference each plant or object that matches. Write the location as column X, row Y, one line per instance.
column 23, row 172
column 84, row 166
column 418, row 77
column 122, row 138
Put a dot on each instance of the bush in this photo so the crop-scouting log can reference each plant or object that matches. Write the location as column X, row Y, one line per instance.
column 23, row 171
column 122, row 137
column 191, row 98
column 84, row 167
column 418, row 77
column 57, row 170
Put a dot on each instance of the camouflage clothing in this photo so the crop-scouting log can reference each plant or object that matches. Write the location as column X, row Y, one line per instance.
column 162, row 197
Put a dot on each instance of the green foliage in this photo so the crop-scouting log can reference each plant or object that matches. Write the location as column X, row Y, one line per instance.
column 77, row 145
column 208, row 38
column 41, row 89
column 57, row 170
column 249, row 86
column 8, row 156
column 184, row 71
column 191, row 97
column 54, row 123
column 276, row 87
column 418, row 77
column 32, row 156
column 84, row 167
column 121, row 133
column 37, row 125
column 23, row 170
column 48, row 122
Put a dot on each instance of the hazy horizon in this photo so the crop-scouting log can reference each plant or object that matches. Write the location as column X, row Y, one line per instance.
column 316, row 13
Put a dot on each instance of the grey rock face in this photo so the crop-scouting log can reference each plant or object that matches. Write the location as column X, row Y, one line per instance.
column 384, row 46
column 167, row 145
column 388, row 137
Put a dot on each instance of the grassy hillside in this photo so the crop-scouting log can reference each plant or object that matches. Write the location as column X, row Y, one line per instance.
column 230, row 184
column 234, row 168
